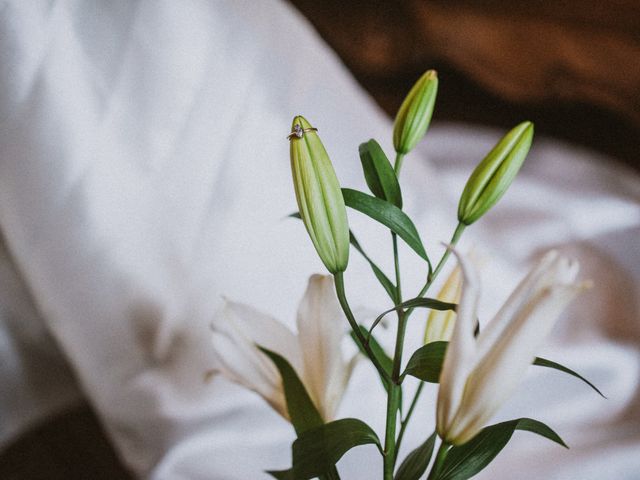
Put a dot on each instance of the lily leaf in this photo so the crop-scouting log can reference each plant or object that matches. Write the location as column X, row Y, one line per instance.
column 543, row 362
column 424, row 302
column 379, row 174
column 416, row 463
column 414, row 303
column 464, row 461
column 281, row 474
column 426, row 364
column 303, row 413
column 384, row 359
column 316, row 451
column 381, row 355
column 387, row 214
column 387, row 284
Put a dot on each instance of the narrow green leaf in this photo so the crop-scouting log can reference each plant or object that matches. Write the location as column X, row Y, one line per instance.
column 424, row 302
column 426, row 362
column 415, row 303
column 416, row 463
column 316, row 451
column 385, row 360
column 303, row 413
column 387, row 284
column 378, row 351
column 387, row 214
column 465, row 461
column 281, row 474
column 379, row 174
column 543, row 362
column 537, row 427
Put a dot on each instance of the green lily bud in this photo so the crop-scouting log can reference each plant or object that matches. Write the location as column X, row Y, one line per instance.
column 319, row 197
column 414, row 115
column 491, row 178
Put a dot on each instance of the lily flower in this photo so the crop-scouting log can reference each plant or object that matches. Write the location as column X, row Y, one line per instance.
column 480, row 373
column 314, row 353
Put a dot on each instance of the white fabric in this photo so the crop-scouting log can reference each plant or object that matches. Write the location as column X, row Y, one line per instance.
column 144, row 173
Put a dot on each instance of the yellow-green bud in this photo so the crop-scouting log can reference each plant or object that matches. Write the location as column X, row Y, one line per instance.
column 414, row 115
column 319, row 197
column 440, row 323
column 491, row 178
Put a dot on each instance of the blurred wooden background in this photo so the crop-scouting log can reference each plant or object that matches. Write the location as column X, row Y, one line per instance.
column 573, row 67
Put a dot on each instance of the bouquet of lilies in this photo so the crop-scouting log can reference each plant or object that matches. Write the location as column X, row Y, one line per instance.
column 303, row 376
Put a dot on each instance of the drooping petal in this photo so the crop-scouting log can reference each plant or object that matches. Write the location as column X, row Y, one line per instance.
column 262, row 330
column 440, row 322
column 248, row 371
column 238, row 330
column 320, row 333
column 240, row 361
column 461, row 352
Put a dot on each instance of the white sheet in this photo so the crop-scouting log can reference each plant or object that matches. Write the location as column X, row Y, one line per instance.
column 144, row 173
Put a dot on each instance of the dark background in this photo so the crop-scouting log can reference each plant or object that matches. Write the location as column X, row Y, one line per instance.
column 571, row 67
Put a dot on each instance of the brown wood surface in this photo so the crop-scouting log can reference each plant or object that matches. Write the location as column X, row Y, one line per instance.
column 573, row 67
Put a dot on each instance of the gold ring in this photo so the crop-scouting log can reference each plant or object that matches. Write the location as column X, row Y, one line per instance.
column 299, row 132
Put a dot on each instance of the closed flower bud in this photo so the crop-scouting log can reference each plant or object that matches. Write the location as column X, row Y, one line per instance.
column 491, row 178
column 414, row 115
column 319, row 197
column 440, row 322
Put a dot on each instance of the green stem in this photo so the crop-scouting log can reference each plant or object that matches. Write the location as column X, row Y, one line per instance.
column 437, row 465
column 405, row 422
column 396, row 262
column 393, row 401
column 432, row 277
column 395, row 390
column 362, row 342
column 398, row 163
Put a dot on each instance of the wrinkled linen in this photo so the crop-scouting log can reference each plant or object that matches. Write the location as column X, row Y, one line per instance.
column 144, row 174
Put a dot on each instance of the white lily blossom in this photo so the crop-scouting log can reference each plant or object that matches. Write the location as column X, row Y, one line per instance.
column 315, row 352
column 479, row 374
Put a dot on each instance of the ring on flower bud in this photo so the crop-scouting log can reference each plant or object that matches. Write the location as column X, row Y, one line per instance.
column 491, row 178
column 298, row 131
column 320, row 201
column 414, row 115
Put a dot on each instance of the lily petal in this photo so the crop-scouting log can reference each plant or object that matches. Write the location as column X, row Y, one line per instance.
column 263, row 330
column 544, row 274
column 501, row 370
column 504, row 349
column 461, row 352
column 237, row 331
column 320, row 333
column 245, row 367
column 337, row 386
